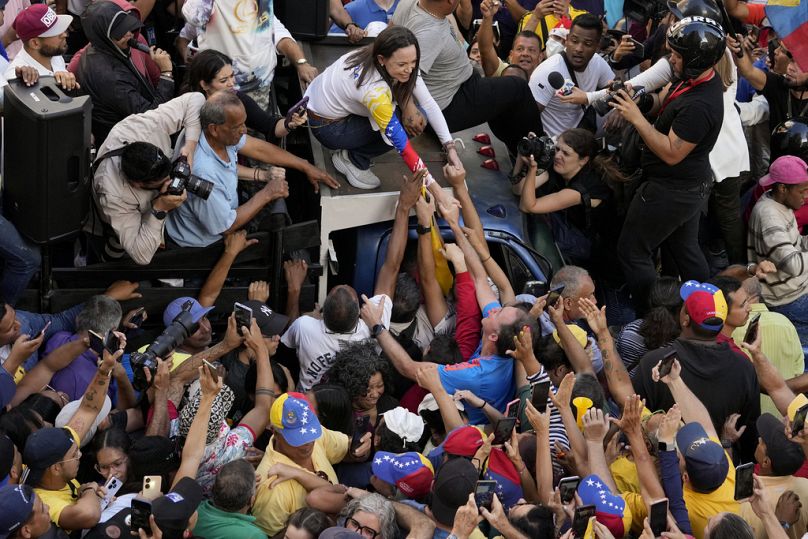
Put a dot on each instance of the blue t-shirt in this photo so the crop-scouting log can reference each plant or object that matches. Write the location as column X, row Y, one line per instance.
column 198, row 222
column 364, row 12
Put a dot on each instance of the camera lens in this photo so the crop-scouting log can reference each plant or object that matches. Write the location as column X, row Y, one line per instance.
column 199, row 187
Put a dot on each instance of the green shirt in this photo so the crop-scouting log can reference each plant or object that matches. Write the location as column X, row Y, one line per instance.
column 213, row 523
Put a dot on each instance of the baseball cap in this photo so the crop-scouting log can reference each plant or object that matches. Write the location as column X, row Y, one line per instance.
column 291, row 416
column 115, row 527
column 577, row 331
column 454, row 481
column 16, row 506
column 270, row 322
column 788, row 169
column 463, row 442
column 786, row 456
column 70, row 409
column 431, row 405
column 411, row 472
column 173, row 510
column 197, row 311
column 610, row 509
column 45, row 448
column 705, row 459
column 794, row 406
column 705, row 304
column 40, row 21
column 123, row 22
column 153, row 455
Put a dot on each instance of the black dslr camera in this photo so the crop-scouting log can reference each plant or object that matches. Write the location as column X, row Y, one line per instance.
column 541, row 148
column 182, row 179
column 181, row 327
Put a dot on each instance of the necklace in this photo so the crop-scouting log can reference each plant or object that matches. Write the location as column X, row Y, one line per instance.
column 429, row 12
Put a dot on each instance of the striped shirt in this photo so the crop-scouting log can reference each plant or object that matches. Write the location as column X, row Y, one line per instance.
column 558, row 434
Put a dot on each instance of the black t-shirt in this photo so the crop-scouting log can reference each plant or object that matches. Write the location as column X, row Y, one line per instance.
column 587, row 181
column 778, row 94
column 695, row 116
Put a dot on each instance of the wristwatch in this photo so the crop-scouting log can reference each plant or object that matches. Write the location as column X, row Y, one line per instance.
column 376, row 330
column 159, row 214
column 665, row 446
column 301, row 61
column 423, row 229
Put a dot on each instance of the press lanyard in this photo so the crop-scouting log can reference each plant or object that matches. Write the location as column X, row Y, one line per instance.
column 684, row 87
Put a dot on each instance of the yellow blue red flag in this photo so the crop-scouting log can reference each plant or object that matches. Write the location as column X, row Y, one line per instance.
column 789, row 18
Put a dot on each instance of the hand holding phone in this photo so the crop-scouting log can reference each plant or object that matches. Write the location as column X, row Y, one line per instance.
column 658, row 518
column 243, row 316
column 297, row 108
column 580, row 520
column 361, row 427
column 140, row 513
column 567, row 488
column 96, row 343
column 666, row 364
column 484, row 493
column 211, row 369
column 112, row 486
column 798, row 423
column 744, row 481
column 538, row 398
column 503, row 429
column 555, row 295
column 752, row 329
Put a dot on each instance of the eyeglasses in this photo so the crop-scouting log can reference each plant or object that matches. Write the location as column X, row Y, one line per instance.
column 364, row 531
column 103, row 469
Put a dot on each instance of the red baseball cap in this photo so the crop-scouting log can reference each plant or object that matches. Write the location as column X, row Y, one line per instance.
column 705, row 304
column 787, row 169
column 40, row 21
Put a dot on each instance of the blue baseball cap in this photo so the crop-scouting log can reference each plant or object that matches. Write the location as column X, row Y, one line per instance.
column 705, row 460
column 16, row 506
column 43, row 449
column 291, row 416
column 174, row 308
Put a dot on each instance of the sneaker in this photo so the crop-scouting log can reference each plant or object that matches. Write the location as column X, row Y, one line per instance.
column 361, row 179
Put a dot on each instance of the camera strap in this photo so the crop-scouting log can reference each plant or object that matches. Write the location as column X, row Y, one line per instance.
column 97, row 162
column 682, row 88
column 571, row 72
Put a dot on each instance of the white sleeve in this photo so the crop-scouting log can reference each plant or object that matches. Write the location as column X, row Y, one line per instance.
column 432, row 110
column 540, row 87
column 290, row 338
column 754, row 112
column 653, row 78
column 280, row 32
column 388, row 308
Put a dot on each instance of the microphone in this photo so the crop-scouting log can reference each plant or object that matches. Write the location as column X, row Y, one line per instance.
column 142, row 47
column 563, row 86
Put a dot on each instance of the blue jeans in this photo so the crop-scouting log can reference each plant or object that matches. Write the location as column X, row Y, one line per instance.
column 797, row 313
column 353, row 133
column 20, row 261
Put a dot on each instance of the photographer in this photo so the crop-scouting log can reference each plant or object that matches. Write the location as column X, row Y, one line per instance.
column 574, row 190
column 675, row 160
column 131, row 178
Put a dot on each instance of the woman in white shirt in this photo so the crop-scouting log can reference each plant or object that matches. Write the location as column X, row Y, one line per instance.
column 352, row 104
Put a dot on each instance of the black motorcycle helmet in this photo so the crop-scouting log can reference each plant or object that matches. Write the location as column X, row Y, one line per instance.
column 695, row 8
column 699, row 41
column 790, row 138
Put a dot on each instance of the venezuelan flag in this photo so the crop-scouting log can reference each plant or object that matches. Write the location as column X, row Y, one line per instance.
column 789, row 18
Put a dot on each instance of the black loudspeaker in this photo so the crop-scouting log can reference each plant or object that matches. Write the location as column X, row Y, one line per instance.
column 305, row 19
column 47, row 160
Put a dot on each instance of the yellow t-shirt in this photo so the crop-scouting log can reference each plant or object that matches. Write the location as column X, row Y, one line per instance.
column 57, row 500
column 179, row 357
column 274, row 506
column 700, row 506
column 551, row 20
column 774, row 488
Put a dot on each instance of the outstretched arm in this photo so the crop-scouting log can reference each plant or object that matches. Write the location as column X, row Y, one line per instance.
column 692, row 408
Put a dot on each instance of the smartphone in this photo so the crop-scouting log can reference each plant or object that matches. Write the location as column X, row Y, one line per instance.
column 113, row 485
column 538, row 398
column 555, row 294
column 112, row 343
column 243, row 316
column 567, row 488
column 141, row 511
column 512, row 409
column 667, row 363
column 639, row 48
column 580, row 521
column 744, row 481
column 96, row 343
column 502, row 430
column 752, row 329
column 47, row 325
column 152, row 485
column 484, row 493
column 212, row 369
column 297, row 108
column 361, row 426
column 799, row 420
column 138, row 317
column 658, row 518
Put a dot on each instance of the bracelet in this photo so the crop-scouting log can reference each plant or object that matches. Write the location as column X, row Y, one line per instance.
column 486, row 260
column 255, row 174
column 749, row 268
column 265, row 391
column 483, row 406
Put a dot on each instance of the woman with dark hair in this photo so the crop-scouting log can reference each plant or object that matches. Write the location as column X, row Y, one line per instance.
column 575, row 192
column 352, row 106
column 362, row 372
column 211, row 71
column 47, row 407
column 658, row 328
column 111, row 450
column 332, row 404
column 306, row 523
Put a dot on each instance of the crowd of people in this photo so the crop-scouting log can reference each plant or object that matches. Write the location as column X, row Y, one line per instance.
column 655, row 388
